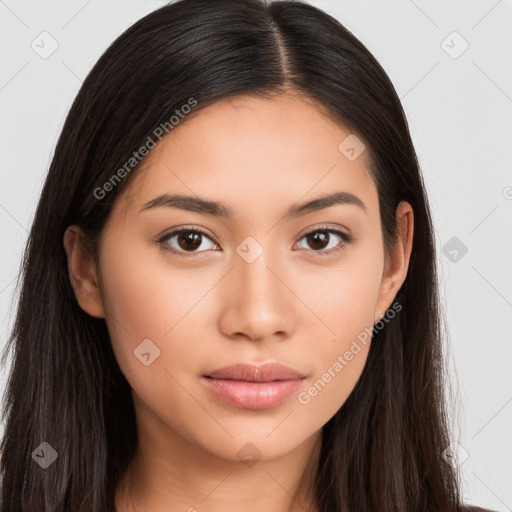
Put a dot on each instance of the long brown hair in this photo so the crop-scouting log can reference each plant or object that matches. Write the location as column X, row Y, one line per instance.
column 382, row 451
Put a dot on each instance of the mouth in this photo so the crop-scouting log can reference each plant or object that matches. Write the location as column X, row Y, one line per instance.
column 249, row 386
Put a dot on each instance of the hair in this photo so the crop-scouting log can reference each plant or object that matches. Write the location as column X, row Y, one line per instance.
column 382, row 450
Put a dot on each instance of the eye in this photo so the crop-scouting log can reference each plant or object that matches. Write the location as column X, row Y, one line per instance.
column 186, row 240
column 322, row 241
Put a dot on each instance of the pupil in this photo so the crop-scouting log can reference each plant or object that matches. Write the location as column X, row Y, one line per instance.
column 318, row 236
column 191, row 240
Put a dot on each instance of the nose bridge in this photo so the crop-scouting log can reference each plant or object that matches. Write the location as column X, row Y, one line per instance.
column 257, row 282
column 258, row 301
column 252, row 262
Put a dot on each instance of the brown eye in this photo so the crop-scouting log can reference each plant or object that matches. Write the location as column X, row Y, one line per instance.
column 318, row 240
column 324, row 241
column 189, row 240
column 183, row 241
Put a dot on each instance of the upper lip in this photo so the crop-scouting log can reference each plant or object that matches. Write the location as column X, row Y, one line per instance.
column 267, row 372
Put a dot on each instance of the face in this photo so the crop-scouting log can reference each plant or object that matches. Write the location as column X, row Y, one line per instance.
column 257, row 285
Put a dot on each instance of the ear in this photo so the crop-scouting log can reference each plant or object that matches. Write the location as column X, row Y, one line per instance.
column 396, row 266
column 83, row 273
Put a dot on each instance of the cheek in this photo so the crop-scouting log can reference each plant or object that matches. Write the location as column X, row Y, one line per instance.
column 347, row 310
column 344, row 300
column 331, row 386
column 341, row 355
column 151, row 311
column 148, row 300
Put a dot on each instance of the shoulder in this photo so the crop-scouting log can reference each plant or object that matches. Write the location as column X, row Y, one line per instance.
column 472, row 508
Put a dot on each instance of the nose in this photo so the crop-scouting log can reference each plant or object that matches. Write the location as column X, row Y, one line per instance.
column 257, row 301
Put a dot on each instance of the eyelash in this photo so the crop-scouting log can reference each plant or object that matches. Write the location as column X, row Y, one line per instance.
column 346, row 238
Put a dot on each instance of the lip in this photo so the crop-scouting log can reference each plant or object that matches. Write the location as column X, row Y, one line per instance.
column 267, row 372
column 249, row 386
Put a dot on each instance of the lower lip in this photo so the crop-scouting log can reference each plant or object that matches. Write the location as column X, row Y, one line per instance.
column 252, row 395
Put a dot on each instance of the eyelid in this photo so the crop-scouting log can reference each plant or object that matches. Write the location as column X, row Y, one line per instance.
column 325, row 227
column 174, row 231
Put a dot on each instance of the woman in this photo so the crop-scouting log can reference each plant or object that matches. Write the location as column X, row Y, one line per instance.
column 229, row 292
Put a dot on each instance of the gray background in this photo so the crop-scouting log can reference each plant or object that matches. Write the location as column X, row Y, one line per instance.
column 459, row 106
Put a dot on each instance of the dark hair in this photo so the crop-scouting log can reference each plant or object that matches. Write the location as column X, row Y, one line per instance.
column 382, row 450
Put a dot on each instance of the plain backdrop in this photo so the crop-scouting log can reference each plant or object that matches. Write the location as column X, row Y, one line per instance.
column 451, row 65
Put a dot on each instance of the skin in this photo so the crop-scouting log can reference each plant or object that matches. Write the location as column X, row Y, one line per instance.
column 258, row 157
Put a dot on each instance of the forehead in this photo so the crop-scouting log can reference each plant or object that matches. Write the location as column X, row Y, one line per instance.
column 249, row 153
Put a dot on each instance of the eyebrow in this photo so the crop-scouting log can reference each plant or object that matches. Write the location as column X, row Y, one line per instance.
column 205, row 206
